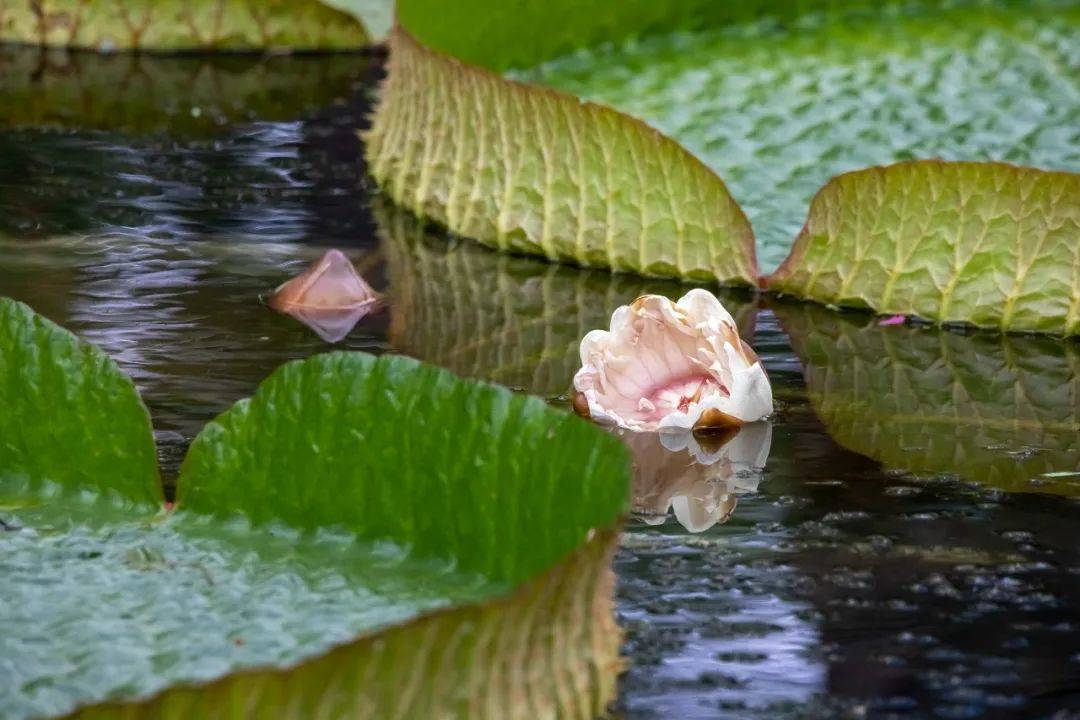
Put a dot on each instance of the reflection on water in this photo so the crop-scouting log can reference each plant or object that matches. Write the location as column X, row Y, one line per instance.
column 512, row 320
column 699, row 477
column 257, row 182
column 1000, row 410
column 841, row 589
column 178, row 94
column 838, row 588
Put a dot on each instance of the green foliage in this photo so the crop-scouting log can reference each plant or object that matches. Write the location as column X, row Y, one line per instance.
column 549, row 650
column 71, row 422
column 776, row 97
column 779, row 108
column 390, row 449
column 530, row 171
column 990, row 244
column 501, row 35
column 376, row 15
column 995, row 409
column 356, row 516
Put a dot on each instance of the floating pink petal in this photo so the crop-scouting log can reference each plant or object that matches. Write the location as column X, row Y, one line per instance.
column 671, row 365
column 893, row 320
column 330, row 297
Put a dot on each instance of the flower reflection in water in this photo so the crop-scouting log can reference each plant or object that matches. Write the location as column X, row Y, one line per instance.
column 698, row 476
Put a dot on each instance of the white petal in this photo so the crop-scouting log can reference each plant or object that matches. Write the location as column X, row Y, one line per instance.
column 664, row 364
column 702, row 307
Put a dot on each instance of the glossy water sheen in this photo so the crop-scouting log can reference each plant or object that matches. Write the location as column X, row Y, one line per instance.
column 837, row 588
column 777, row 109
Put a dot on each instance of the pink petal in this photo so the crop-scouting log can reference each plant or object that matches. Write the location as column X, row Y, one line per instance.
column 330, row 297
column 666, row 364
column 893, row 320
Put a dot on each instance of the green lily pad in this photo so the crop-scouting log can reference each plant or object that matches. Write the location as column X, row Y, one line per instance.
column 984, row 243
column 409, row 453
column 514, row 320
column 72, row 424
column 331, row 531
column 181, row 25
column 1001, row 410
column 775, row 98
column 183, row 95
column 530, row 171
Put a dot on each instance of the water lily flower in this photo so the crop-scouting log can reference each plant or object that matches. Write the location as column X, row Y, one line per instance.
column 330, row 297
column 671, row 365
column 699, row 478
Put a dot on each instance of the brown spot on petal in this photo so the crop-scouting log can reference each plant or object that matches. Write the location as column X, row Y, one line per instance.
column 330, row 297
column 713, row 418
column 581, row 405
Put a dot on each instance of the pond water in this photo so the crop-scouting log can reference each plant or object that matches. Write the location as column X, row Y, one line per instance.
column 908, row 551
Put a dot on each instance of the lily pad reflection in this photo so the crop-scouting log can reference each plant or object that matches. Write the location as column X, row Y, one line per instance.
column 503, row 318
column 1003, row 410
column 185, row 95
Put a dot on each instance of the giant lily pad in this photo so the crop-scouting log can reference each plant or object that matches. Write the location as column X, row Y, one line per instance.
column 71, row 420
column 774, row 97
column 508, row 319
column 986, row 243
column 779, row 104
column 181, row 24
column 999, row 410
column 331, row 533
column 531, row 171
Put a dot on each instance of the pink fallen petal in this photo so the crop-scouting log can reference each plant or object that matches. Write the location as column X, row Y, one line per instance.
column 671, row 365
column 330, row 297
column 893, row 320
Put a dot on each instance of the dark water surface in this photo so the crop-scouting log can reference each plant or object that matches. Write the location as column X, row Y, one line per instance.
column 909, row 550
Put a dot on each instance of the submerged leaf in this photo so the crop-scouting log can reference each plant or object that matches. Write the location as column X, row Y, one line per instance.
column 330, row 297
column 999, row 410
column 533, row 171
column 189, row 25
column 70, row 422
column 990, row 244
